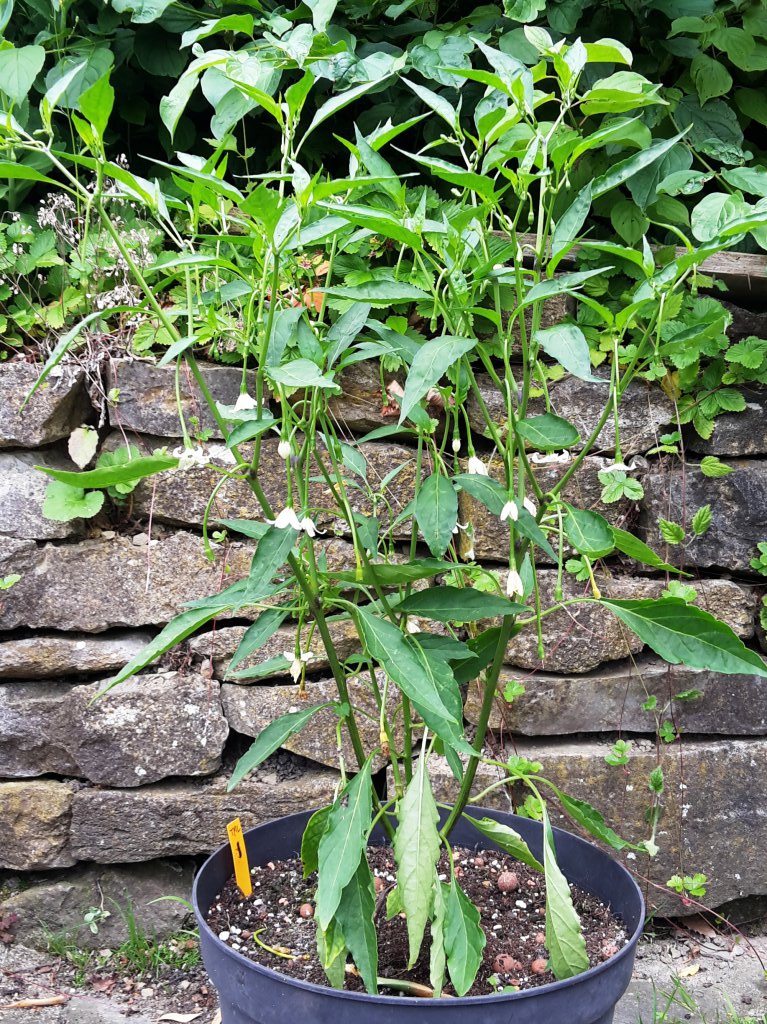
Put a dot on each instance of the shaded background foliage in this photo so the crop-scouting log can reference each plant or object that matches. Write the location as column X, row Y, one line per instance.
column 710, row 55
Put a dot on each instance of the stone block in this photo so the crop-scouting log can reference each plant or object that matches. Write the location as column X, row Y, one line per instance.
column 146, row 729
column 737, row 433
column 35, row 818
column 611, row 699
column 171, row 819
column 738, row 502
column 249, row 709
column 712, row 818
column 147, row 399
column 644, row 412
column 58, row 406
column 489, row 537
column 221, row 644
column 578, row 638
column 56, row 655
column 57, row 906
column 22, row 492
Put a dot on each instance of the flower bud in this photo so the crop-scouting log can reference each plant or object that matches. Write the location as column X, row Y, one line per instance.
column 283, row 449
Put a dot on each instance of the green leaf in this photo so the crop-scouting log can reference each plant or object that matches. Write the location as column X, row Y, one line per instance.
column 270, row 739
column 249, row 429
column 337, row 103
column 437, row 103
column 343, row 843
column 178, row 629
column 588, row 532
column 300, row 373
column 310, row 841
column 416, row 850
column 142, row 11
column 430, row 364
column 564, row 939
column 628, row 221
column 391, row 575
column 457, row 604
column 608, row 51
column 381, row 222
column 355, row 916
column 332, row 953
column 272, row 553
column 378, row 293
column 570, row 223
column 711, row 467
column 590, row 819
column 624, row 170
column 483, row 489
column 96, row 103
column 63, row 502
column 256, row 635
column 562, row 284
column 428, row 682
column 640, row 552
column 509, row 841
column 710, row 76
column 548, row 432
column 625, row 90
column 247, row 527
column 685, row 635
column 174, row 104
column 470, row 180
column 464, row 938
column 345, row 330
column 701, row 521
column 437, row 956
column 127, row 472
column 672, row 533
column 567, row 344
column 436, row 512
column 527, row 526
column 18, row 70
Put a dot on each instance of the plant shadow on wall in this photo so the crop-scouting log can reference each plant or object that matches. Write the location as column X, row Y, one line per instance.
column 328, row 272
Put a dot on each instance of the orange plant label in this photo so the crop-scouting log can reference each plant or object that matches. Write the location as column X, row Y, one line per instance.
column 240, row 857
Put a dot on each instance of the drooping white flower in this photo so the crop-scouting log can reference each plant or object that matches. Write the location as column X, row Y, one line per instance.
column 617, row 467
column 477, row 466
column 413, row 625
column 244, row 402
column 287, row 517
column 456, row 445
column 510, row 511
column 514, row 585
column 530, row 505
column 283, row 449
column 297, row 663
column 189, row 458
column 308, row 527
column 460, row 526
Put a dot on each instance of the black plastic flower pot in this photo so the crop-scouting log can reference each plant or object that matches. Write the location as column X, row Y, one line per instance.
column 251, row 994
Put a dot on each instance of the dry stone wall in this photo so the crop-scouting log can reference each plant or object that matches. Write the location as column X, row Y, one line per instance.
column 121, row 791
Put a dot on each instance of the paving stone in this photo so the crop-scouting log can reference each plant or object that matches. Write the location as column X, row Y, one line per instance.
column 171, row 819
column 611, row 699
column 57, row 654
column 148, row 728
column 738, row 509
column 35, row 820
column 58, row 406
column 22, row 492
column 147, row 399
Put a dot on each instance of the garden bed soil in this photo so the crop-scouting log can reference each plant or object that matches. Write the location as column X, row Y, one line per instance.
column 509, row 896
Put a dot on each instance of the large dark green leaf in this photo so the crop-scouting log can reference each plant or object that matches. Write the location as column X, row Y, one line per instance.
column 685, row 635
column 431, row 363
column 483, row 489
column 528, row 527
column 392, row 575
column 272, row 553
column 464, row 938
column 567, row 344
column 255, row 636
column 436, row 512
column 310, row 841
column 379, row 293
column 343, row 843
column 416, row 850
column 640, row 552
column 270, row 739
column 548, row 432
column 590, row 818
column 564, row 938
column 508, row 840
column 588, row 532
column 355, row 916
column 457, row 604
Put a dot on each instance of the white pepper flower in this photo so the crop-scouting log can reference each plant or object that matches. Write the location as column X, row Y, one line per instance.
column 514, row 585
column 510, row 511
column 283, row 449
column 456, row 445
column 244, row 402
column 190, row 458
column 530, row 505
column 287, row 517
column 297, row 663
column 477, row 466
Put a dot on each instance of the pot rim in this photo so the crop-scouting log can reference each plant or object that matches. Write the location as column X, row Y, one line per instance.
column 468, row 1001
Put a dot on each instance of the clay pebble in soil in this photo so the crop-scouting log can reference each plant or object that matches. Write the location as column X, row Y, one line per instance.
column 512, row 918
